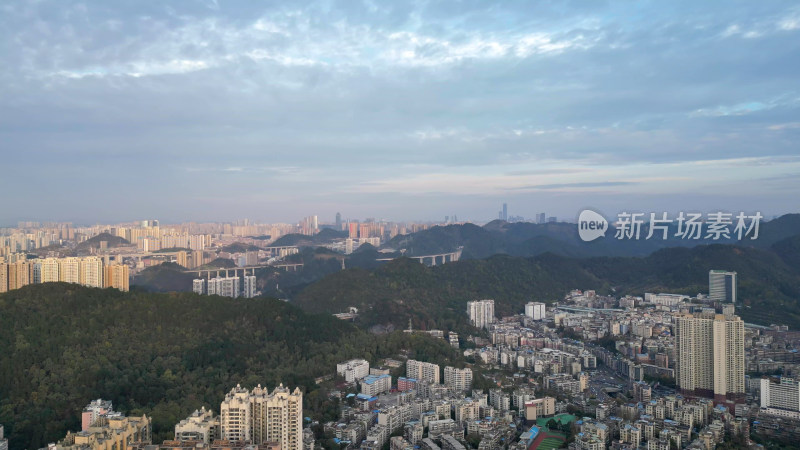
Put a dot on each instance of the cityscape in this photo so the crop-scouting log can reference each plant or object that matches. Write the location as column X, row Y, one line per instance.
column 399, row 225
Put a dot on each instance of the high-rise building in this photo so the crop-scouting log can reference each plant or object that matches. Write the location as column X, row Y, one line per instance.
column 19, row 274
column 505, row 211
column 338, row 221
column 249, row 286
column 710, row 355
column 261, row 417
column 199, row 286
column 422, row 371
column 3, row 277
column 226, row 287
column 234, row 414
column 541, row 218
column 352, row 230
column 781, row 397
column 91, row 271
column 481, row 313
column 69, row 270
column 50, row 270
column 722, row 286
column 458, row 379
column 535, row 310
column 117, row 276
column 353, row 370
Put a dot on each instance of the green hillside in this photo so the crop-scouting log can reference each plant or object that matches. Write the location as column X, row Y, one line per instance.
column 769, row 288
column 165, row 355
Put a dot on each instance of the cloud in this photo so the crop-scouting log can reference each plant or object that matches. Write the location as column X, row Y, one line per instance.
column 318, row 100
column 598, row 184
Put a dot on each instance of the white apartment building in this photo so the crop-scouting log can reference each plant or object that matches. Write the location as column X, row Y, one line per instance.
column 422, row 371
column 353, row 370
column 199, row 286
column 781, row 397
column 373, row 385
column 91, row 271
column 249, row 286
column 458, row 379
column 225, row 287
column 535, row 310
column 481, row 313
column 69, row 270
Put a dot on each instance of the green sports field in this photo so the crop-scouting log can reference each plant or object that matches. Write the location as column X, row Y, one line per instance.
column 550, row 443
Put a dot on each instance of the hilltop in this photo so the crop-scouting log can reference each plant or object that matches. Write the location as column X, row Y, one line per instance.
column 530, row 239
column 164, row 355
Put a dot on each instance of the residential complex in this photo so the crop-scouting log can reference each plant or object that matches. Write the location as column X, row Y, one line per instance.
column 535, row 310
column 710, row 355
column 91, row 271
column 259, row 416
column 481, row 313
column 422, row 371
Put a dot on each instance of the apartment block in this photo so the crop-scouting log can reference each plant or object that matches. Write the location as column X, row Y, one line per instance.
column 422, row 371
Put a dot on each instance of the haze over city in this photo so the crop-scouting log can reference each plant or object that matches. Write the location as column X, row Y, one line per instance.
column 214, row 111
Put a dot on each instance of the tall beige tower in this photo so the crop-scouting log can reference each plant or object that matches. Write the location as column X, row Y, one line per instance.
column 91, row 271
column 710, row 356
column 3, row 277
column 234, row 414
column 117, row 276
column 50, row 270
column 69, row 270
column 728, row 357
column 259, row 416
column 277, row 417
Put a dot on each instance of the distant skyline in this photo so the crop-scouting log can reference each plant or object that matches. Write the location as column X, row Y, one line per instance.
column 212, row 111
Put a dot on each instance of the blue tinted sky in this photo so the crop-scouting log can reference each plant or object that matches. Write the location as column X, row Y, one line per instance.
column 211, row 110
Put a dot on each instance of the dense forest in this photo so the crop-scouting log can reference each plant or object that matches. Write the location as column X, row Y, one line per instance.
column 165, row 355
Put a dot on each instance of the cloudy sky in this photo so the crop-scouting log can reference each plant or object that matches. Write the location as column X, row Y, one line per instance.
column 212, row 110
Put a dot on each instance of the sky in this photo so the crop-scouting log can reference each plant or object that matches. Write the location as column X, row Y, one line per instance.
column 219, row 110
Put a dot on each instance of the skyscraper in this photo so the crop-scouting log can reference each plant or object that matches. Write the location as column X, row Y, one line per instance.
column 481, row 312
column 710, row 355
column 505, row 211
column 722, row 286
column 338, row 221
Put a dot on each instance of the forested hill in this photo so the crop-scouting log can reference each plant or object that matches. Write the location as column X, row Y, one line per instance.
column 529, row 239
column 164, row 355
column 436, row 297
